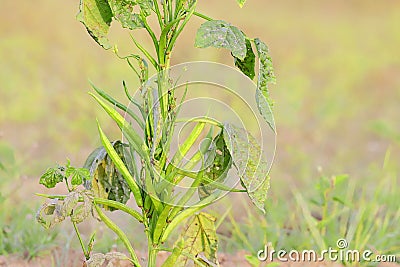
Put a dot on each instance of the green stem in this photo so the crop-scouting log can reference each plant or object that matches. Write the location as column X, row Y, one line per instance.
column 87, row 256
column 197, row 14
column 151, row 33
column 152, row 255
column 145, row 52
column 157, row 11
column 110, row 224
column 180, row 29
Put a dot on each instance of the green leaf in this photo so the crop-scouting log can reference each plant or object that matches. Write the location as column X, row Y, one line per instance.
column 96, row 15
column 51, row 177
column 200, row 240
column 218, row 170
column 77, row 175
column 107, row 181
column 249, row 162
column 247, row 65
column 221, row 34
column 241, row 2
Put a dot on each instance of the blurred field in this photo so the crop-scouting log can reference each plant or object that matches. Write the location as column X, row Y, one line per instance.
column 336, row 100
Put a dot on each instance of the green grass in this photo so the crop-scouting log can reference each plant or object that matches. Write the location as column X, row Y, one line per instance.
column 365, row 214
column 18, row 234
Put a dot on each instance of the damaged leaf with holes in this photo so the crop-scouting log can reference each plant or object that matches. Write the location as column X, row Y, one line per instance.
column 218, row 170
column 124, row 12
column 199, row 241
column 250, row 163
column 57, row 210
column 100, row 259
column 52, row 177
column 107, row 182
column 221, row 34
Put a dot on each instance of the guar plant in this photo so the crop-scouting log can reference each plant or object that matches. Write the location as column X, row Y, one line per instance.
column 143, row 165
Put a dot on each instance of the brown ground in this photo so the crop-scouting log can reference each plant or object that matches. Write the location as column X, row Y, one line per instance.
column 75, row 259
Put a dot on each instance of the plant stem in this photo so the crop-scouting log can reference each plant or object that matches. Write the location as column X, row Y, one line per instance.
column 152, row 260
column 87, row 256
column 202, row 16
column 122, row 236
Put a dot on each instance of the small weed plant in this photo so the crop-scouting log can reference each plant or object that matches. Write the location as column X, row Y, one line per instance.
column 169, row 187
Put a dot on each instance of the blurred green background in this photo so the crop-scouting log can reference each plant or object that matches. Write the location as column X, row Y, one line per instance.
column 336, row 100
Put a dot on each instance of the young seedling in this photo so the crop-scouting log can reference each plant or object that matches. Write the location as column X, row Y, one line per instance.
column 143, row 165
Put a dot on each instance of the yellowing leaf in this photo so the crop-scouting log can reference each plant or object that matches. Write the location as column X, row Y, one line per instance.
column 107, row 181
column 200, row 240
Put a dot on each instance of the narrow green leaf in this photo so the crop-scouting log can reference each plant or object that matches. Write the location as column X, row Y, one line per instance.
column 119, row 164
column 96, row 15
column 134, row 139
column 249, row 162
column 176, row 253
column 51, row 177
column 221, row 34
column 185, row 147
column 110, row 224
column 119, row 206
column 247, row 65
column 119, row 105
column 186, row 213
column 107, row 181
column 200, row 240
column 161, row 222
